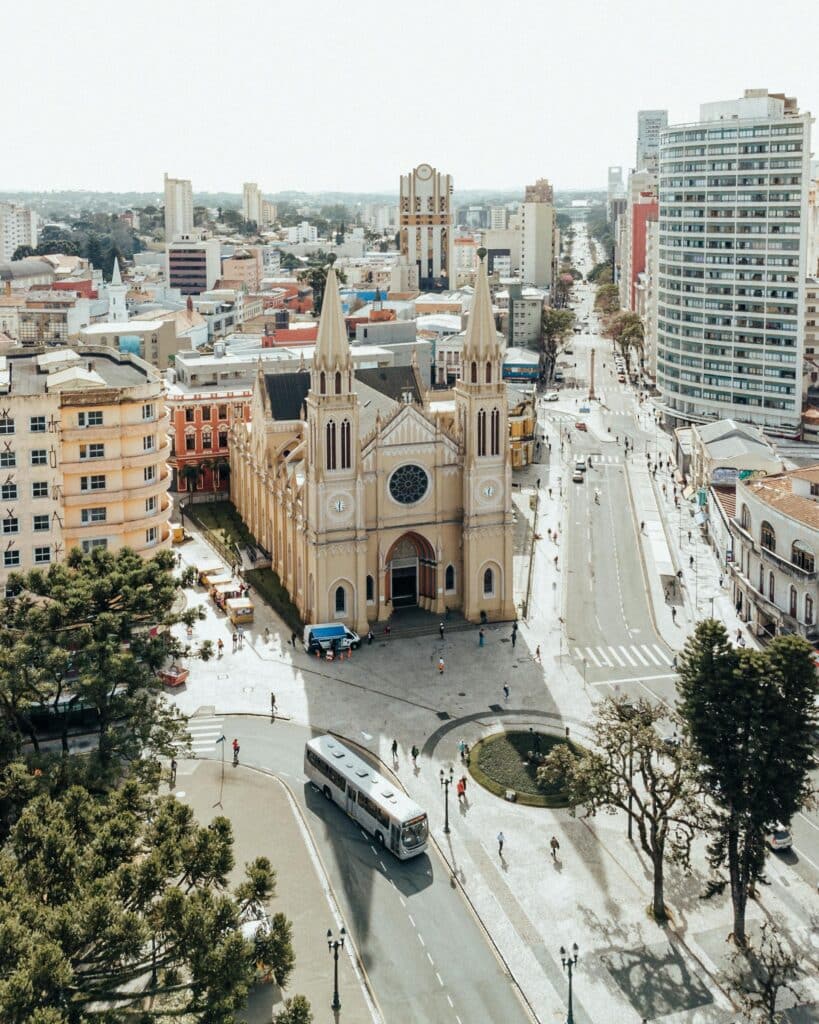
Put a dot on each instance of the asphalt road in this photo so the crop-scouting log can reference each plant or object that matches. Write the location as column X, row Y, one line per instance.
column 425, row 954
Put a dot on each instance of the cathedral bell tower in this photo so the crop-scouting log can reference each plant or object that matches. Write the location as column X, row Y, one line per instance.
column 117, row 308
column 334, row 497
column 480, row 397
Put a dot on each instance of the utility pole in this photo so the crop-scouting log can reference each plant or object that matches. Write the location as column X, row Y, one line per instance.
column 591, row 376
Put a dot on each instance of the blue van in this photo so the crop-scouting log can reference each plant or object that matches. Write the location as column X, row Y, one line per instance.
column 329, row 634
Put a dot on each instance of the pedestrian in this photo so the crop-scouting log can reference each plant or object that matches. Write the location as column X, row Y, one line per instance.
column 642, row 527
column 550, row 492
column 506, row 692
column 267, row 634
column 395, row 752
column 481, row 636
column 272, row 704
column 241, row 633
column 538, row 483
column 414, row 752
column 235, row 642
column 387, row 630
column 537, row 654
column 555, row 561
column 720, row 580
column 501, row 838
column 461, row 748
column 441, row 665
column 555, row 845
column 673, row 614
column 691, row 562
column 173, row 771
column 293, row 639
column 514, row 638
column 220, row 647
column 235, row 751
column 441, row 629
column 461, row 790
column 369, row 637
column 463, row 781
column 689, row 536
column 739, row 635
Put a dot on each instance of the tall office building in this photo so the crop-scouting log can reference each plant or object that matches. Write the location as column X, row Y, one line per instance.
column 615, row 191
column 426, row 227
column 252, row 202
column 178, row 208
column 540, row 192
column 649, row 125
column 498, row 216
column 18, row 226
column 537, row 235
column 732, row 261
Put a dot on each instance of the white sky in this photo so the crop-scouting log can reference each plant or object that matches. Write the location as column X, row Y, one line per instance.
column 348, row 95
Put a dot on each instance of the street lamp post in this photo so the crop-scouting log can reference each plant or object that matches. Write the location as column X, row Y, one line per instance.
column 334, row 945
column 569, row 961
column 446, row 782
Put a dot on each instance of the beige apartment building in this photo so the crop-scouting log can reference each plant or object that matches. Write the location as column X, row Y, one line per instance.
column 83, row 456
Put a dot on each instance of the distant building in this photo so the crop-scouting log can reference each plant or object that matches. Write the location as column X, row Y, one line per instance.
column 18, row 226
column 498, row 216
column 540, row 192
column 649, row 125
column 537, row 244
column 178, row 208
column 426, row 227
column 245, row 265
column 252, row 203
column 193, row 265
column 117, row 309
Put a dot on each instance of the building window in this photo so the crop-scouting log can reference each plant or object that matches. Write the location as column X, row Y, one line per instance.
column 8, row 492
column 95, row 542
column 148, row 443
column 151, row 534
column 223, row 439
column 90, row 419
column 188, row 414
column 39, row 489
column 207, row 440
column 808, row 610
column 346, row 447
column 92, row 451
column 495, row 432
column 793, row 602
column 93, row 515
column 11, row 524
column 148, row 411
column 37, row 424
column 190, row 442
column 93, row 483
column 41, row 523
column 11, row 559
column 322, row 383
column 149, row 474
column 767, row 537
column 771, row 587
column 449, row 579
column 205, row 412
column 8, row 460
column 745, row 519
column 488, row 583
column 6, row 425
column 331, row 445
column 221, row 412
column 42, row 555
column 801, row 557
column 481, row 431
column 488, row 373
column 39, row 457
column 370, row 590
column 338, row 383
column 341, row 601
column 150, row 504
column 762, row 579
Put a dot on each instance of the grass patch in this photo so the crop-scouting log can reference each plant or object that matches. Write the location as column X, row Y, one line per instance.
column 221, row 519
column 269, row 587
column 498, row 763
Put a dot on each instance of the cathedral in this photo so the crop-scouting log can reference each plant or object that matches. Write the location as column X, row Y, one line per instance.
column 373, row 493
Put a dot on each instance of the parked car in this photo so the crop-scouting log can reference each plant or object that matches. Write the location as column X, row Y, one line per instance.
column 780, row 838
column 581, row 425
column 552, row 396
column 578, row 476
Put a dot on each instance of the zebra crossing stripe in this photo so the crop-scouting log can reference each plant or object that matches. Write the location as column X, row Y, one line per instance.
column 604, row 657
column 662, row 654
column 617, row 657
column 592, row 656
column 648, row 654
column 627, row 656
column 636, row 652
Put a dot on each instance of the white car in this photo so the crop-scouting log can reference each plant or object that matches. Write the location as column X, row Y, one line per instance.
column 780, row 838
column 552, row 396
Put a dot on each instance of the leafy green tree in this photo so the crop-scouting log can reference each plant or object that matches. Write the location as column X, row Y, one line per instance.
column 289, row 261
column 296, row 1011
column 600, row 273
column 607, row 299
column 627, row 332
column 112, row 905
column 555, row 325
column 22, row 252
column 750, row 717
column 631, row 769
column 767, row 968
column 316, row 277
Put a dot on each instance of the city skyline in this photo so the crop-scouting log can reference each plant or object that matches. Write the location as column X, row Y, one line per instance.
column 567, row 110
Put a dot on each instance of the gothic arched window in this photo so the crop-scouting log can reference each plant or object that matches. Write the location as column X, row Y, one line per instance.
column 346, row 447
column 449, row 579
column 488, row 373
column 341, row 601
column 496, row 432
column 338, row 383
column 370, row 590
column 331, row 445
column 474, row 373
column 488, row 583
column 481, row 431
column 322, row 383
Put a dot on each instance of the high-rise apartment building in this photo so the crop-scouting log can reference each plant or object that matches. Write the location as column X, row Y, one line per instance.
column 426, row 226
column 649, row 125
column 84, row 460
column 18, row 226
column 732, row 262
column 252, row 202
column 178, row 208
column 615, row 191
column 537, row 235
column 640, row 209
column 498, row 216
column 540, row 192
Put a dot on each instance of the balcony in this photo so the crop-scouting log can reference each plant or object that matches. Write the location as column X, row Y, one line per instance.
column 794, row 571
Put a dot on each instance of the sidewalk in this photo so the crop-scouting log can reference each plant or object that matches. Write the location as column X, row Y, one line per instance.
column 302, row 891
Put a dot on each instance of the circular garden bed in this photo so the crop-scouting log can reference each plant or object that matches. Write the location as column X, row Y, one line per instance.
column 500, row 762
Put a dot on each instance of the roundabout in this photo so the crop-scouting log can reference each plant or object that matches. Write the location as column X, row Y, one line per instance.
column 507, row 762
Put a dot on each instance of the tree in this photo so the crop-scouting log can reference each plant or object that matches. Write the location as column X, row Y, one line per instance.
column 764, row 970
column 749, row 716
column 111, row 905
column 631, row 769
column 607, row 299
column 289, row 261
column 562, row 288
column 316, row 277
column 22, row 252
column 296, row 1011
column 627, row 332
column 555, row 325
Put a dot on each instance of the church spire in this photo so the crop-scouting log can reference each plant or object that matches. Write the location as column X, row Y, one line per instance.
column 116, row 277
column 332, row 347
column 482, row 338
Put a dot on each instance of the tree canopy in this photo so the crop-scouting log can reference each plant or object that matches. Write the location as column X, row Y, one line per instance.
column 555, row 325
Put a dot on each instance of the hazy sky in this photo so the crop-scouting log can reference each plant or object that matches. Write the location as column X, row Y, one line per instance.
column 348, row 95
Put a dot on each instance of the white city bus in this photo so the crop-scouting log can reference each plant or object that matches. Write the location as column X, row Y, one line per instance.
column 369, row 799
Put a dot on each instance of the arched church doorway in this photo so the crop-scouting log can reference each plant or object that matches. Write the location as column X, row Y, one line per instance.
column 410, row 576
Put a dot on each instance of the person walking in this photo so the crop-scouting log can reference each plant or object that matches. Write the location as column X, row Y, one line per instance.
column 481, row 637
column 461, row 790
column 272, row 704
column 441, row 629
column 441, row 665
column 220, row 647
column 173, row 771
column 555, row 845
column 293, row 637
column 537, row 654
column 395, row 752
column 514, row 637
column 501, row 839
column 235, row 642
column 463, row 781
column 461, row 748
column 235, row 751
column 369, row 637
column 673, row 614
column 414, row 752
column 506, row 692
column 241, row 634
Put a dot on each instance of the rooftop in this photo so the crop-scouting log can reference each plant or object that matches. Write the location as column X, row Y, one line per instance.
column 34, row 373
column 778, row 493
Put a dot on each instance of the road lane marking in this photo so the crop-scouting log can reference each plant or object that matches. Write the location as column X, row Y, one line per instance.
column 403, row 904
column 661, row 652
column 650, row 655
column 805, row 858
column 603, row 657
column 449, row 1000
column 431, row 961
column 411, row 920
column 627, row 656
column 440, row 980
column 421, row 939
column 808, row 821
column 617, row 657
column 636, row 652
column 592, row 655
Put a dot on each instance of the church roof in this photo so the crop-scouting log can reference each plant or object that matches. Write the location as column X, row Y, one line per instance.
column 482, row 338
column 393, row 381
column 332, row 346
column 286, row 393
column 116, row 277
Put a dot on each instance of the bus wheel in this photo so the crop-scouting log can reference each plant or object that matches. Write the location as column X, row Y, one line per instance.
column 327, row 793
column 379, row 838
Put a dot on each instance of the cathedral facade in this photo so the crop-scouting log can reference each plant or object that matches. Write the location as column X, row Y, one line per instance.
column 373, row 494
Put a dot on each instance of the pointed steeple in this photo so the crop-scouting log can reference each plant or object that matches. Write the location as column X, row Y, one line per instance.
column 116, row 277
column 482, row 338
column 332, row 347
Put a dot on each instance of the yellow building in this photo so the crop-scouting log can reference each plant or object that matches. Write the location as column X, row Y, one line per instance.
column 84, row 455
column 371, row 495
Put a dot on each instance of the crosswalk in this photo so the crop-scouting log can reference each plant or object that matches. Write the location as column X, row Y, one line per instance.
column 623, row 656
column 204, row 732
column 610, row 460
